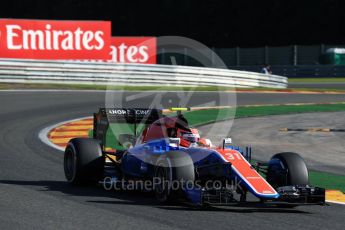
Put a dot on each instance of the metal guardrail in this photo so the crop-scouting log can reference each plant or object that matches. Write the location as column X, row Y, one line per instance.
column 34, row 71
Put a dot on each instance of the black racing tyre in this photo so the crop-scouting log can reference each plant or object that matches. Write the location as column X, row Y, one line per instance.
column 287, row 168
column 83, row 161
column 172, row 171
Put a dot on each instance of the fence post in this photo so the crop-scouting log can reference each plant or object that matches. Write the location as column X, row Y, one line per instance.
column 185, row 56
column 238, row 61
column 266, row 55
column 212, row 56
column 295, row 55
column 322, row 48
column 163, row 56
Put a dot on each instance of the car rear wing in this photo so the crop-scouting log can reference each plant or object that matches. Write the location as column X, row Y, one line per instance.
column 134, row 116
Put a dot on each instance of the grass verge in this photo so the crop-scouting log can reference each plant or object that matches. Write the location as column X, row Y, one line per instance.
column 327, row 180
column 201, row 117
column 317, row 80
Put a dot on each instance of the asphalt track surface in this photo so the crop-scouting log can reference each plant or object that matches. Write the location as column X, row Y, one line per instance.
column 34, row 194
column 322, row 151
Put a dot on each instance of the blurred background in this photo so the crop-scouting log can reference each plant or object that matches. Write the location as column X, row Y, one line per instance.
column 297, row 38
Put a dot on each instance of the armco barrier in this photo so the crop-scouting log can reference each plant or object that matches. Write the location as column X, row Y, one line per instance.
column 34, row 71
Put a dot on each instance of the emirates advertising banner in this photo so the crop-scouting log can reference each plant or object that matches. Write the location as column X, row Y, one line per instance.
column 72, row 40
column 133, row 50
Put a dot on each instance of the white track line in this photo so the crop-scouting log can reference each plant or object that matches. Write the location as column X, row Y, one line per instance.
column 335, row 202
column 43, row 134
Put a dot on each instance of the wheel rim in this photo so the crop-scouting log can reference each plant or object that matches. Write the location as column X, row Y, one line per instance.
column 161, row 175
column 162, row 188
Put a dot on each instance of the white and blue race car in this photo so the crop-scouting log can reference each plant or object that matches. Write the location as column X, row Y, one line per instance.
column 167, row 156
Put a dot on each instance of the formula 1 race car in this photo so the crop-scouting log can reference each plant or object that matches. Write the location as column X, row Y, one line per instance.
column 163, row 154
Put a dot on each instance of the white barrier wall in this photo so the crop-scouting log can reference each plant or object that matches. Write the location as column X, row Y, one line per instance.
column 34, row 71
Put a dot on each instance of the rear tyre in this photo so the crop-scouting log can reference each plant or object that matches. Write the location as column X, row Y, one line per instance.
column 287, row 169
column 83, row 161
column 172, row 171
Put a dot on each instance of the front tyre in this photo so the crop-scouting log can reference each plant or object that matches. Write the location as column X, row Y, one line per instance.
column 172, row 171
column 287, row 169
column 83, row 161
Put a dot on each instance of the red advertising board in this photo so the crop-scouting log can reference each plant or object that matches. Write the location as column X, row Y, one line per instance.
column 50, row 39
column 133, row 50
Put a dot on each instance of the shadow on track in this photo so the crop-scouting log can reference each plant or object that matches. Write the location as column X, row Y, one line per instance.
column 125, row 197
column 101, row 196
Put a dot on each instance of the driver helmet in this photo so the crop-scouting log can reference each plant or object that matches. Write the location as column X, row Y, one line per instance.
column 188, row 137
